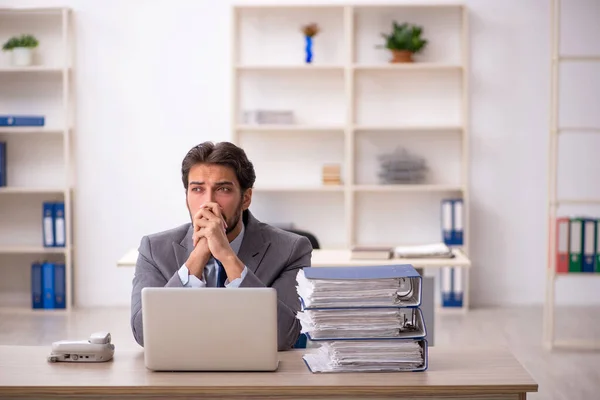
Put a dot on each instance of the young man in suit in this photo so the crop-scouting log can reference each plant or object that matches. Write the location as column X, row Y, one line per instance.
column 224, row 245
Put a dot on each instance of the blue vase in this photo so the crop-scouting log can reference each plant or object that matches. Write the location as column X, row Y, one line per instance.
column 309, row 54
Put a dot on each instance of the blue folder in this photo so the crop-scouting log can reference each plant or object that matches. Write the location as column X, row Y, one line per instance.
column 48, row 224
column 2, row 164
column 374, row 272
column 36, row 285
column 22, row 120
column 48, row 284
column 59, row 286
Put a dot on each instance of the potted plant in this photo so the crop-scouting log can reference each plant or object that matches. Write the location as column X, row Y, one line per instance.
column 404, row 41
column 21, row 48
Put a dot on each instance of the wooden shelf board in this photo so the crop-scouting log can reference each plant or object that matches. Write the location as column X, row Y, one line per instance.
column 290, row 68
column 289, row 128
column 332, row 188
column 32, row 69
column 17, row 249
column 30, row 130
column 415, row 66
column 32, row 190
column 407, row 188
column 406, row 128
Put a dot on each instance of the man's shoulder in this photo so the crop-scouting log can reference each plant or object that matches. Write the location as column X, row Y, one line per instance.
column 170, row 235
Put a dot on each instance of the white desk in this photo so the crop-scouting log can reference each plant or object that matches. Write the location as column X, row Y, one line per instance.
column 341, row 257
column 471, row 373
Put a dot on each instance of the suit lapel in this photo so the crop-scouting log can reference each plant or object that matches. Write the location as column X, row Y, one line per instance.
column 254, row 246
column 183, row 248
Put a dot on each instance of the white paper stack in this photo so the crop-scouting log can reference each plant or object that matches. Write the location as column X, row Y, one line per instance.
column 367, row 356
column 434, row 250
column 356, row 292
column 366, row 323
column 364, row 318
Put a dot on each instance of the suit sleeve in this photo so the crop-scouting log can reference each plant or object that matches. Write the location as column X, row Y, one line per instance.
column 147, row 274
column 288, row 304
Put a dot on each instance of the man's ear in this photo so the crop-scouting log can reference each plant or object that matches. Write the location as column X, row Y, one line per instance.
column 247, row 199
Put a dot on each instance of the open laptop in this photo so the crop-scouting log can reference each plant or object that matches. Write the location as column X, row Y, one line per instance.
column 210, row 329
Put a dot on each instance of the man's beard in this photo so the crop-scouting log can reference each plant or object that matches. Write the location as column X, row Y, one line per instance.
column 236, row 218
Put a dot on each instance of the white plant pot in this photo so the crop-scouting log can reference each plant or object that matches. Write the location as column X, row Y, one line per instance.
column 22, row 56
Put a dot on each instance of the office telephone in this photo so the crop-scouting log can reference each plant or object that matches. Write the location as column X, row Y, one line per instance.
column 98, row 348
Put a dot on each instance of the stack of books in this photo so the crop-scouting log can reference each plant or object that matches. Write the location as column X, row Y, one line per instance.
column 364, row 318
column 332, row 174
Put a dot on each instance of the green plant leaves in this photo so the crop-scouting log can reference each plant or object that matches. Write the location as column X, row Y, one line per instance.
column 404, row 37
column 20, row 41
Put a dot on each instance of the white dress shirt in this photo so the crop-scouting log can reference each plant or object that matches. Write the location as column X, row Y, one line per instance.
column 209, row 275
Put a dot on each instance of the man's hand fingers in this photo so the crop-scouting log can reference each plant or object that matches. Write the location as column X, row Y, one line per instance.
column 208, row 214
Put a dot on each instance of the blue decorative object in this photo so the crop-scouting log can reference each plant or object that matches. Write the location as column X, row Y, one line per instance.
column 309, row 54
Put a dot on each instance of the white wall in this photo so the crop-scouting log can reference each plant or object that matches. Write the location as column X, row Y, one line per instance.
column 153, row 79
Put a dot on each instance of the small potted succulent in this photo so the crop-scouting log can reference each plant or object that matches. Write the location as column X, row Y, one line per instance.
column 21, row 48
column 404, row 41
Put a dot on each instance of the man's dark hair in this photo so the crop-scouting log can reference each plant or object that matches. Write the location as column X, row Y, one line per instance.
column 222, row 153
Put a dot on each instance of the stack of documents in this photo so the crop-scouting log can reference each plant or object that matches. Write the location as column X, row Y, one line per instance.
column 364, row 318
column 434, row 250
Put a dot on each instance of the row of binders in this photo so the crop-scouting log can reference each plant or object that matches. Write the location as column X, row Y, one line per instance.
column 53, row 224
column 48, row 286
column 451, row 279
column 364, row 319
column 577, row 244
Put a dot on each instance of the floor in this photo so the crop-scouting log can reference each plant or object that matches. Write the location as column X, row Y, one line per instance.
column 561, row 375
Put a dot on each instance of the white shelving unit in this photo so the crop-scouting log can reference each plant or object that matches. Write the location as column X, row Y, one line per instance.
column 351, row 105
column 39, row 166
column 563, row 124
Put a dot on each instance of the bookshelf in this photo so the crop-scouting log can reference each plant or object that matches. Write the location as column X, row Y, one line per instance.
column 351, row 105
column 574, row 125
column 39, row 159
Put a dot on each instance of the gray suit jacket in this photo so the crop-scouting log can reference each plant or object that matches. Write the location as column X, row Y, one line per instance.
column 272, row 256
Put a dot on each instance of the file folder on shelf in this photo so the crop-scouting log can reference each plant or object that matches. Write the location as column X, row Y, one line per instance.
column 452, row 285
column 22, row 120
column 457, row 220
column 452, row 222
column 59, row 224
column 3, row 164
column 597, row 265
column 589, row 245
column 359, row 287
column 575, row 244
column 562, row 244
column 48, row 280
column 36, row 286
column 59, row 286
column 48, row 224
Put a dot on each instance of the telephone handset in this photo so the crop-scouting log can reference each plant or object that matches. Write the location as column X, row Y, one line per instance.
column 98, row 348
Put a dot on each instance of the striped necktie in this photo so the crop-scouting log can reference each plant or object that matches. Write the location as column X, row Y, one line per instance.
column 221, row 274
